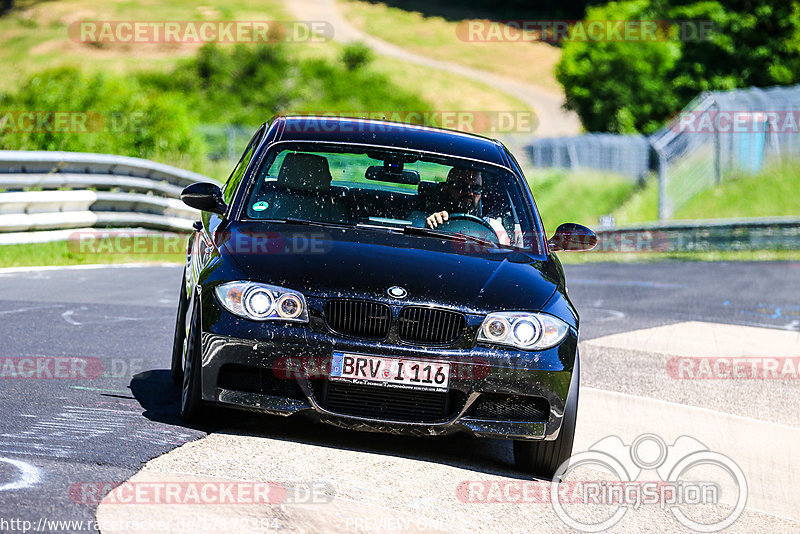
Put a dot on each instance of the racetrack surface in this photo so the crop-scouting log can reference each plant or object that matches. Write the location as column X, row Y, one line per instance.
column 57, row 434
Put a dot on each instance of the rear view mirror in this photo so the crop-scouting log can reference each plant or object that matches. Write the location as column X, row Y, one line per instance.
column 571, row 236
column 204, row 196
column 387, row 174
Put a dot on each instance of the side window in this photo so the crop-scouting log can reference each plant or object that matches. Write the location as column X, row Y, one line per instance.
column 238, row 171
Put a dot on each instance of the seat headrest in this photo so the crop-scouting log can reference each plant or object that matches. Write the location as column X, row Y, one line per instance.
column 305, row 172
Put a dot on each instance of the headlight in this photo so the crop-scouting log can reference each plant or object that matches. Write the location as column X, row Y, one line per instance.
column 527, row 331
column 262, row 302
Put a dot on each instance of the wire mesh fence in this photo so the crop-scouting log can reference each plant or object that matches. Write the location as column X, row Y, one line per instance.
column 717, row 134
column 628, row 155
column 723, row 132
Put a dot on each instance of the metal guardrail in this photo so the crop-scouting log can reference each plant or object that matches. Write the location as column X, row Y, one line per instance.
column 776, row 233
column 62, row 190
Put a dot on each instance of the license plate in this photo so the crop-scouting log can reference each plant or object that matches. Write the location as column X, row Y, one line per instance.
column 392, row 372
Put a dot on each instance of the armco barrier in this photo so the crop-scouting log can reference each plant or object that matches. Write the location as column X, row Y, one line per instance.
column 777, row 233
column 42, row 190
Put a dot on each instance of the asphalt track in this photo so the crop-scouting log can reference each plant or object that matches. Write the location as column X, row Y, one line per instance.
column 60, row 436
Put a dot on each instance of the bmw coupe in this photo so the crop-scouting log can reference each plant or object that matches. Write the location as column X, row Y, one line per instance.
column 382, row 277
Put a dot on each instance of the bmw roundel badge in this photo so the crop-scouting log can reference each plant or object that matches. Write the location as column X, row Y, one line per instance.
column 397, row 292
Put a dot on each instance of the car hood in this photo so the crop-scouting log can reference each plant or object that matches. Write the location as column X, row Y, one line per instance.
column 356, row 263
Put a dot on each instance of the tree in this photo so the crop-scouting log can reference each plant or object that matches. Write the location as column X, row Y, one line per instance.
column 619, row 85
column 626, row 86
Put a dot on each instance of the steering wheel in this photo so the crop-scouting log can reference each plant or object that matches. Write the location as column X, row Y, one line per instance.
column 469, row 224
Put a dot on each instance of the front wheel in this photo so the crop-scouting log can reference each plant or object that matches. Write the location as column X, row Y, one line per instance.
column 543, row 458
column 176, row 369
column 191, row 392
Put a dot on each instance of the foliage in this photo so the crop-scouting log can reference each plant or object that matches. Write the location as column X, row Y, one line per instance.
column 630, row 86
column 246, row 85
column 112, row 115
column 156, row 115
column 356, row 55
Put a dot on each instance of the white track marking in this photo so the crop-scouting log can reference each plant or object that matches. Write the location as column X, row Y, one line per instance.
column 28, row 475
column 30, row 308
column 708, row 340
column 771, row 470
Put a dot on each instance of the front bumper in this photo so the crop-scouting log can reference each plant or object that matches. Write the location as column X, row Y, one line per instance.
column 283, row 370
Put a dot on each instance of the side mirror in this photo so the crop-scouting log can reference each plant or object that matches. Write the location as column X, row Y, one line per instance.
column 571, row 236
column 204, row 197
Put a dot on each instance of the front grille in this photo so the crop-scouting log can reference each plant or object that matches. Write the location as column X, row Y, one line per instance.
column 511, row 408
column 430, row 325
column 391, row 404
column 358, row 318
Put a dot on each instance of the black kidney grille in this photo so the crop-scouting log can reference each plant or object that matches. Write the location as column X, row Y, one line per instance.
column 511, row 408
column 386, row 403
column 358, row 318
column 418, row 324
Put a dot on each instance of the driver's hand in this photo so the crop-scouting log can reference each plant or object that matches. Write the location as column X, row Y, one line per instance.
column 436, row 219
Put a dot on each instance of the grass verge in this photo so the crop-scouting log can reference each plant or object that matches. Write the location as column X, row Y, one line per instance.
column 162, row 248
column 580, row 197
column 438, row 38
column 771, row 192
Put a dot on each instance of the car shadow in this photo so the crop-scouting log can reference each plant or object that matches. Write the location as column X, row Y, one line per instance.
column 159, row 397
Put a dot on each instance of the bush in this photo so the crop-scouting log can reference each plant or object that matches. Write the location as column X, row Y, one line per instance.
column 247, row 85
column 356, row 56
column 619, row 86
column 634, row 86
column 115, row 116
column 156, row 115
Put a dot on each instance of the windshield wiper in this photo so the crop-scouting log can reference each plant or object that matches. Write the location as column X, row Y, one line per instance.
column 308, row 222
column 452, row 236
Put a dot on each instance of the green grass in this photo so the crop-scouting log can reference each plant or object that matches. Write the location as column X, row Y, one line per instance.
column 35, row 34
column 153, row 248
column 580, row 197
column 579, row 258
column 439, row 38
column 769, row 193
column 642, row 206
column 772, row 192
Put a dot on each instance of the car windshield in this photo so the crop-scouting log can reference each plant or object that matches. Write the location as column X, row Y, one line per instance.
column 385, row 188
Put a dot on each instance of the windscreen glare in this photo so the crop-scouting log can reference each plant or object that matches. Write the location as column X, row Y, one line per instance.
column 393, row 189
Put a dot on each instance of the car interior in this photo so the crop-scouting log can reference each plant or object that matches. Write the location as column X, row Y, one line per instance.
column 305, row 189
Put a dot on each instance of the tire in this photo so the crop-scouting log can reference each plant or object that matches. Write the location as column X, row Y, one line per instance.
column 176, row 369
column 192, row 409
column 543, row 458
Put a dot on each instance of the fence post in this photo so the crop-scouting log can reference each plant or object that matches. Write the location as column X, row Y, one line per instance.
column 663, row 201
column 717, row 147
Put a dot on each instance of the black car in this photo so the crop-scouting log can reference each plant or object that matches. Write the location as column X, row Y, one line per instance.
column 384, row 277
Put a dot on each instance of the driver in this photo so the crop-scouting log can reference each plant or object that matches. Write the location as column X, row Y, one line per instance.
column 461, row 193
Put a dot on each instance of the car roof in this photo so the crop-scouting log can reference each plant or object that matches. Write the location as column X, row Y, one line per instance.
column 322, row 129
